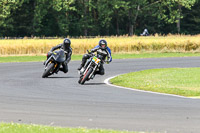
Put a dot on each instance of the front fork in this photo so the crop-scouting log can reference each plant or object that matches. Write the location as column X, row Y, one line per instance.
column 88, row 65
column 56, row 65
column 92, row 73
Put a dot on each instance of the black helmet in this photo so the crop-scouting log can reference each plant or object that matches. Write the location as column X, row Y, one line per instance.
column 103, row 44
column 66, row 43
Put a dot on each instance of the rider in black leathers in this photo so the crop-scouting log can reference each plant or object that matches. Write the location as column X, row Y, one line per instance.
column 101, row 48
column 68, row 51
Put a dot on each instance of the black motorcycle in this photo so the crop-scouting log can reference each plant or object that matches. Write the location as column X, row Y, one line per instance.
column 91, row 66
column 53, row 63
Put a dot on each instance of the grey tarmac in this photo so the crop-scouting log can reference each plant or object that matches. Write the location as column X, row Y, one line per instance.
column 59, row 100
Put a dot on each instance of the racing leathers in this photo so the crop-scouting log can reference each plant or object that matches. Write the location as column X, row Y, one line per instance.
column 68, row 52
column 104, row 52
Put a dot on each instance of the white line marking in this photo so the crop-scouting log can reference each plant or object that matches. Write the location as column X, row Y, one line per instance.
column 106, row 81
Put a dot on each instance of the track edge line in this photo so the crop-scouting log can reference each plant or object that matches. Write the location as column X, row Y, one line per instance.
column 106, row 81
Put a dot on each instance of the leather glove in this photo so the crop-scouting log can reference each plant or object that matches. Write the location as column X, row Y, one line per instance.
column 107, row 62
column 50, row 52
column 89, row 51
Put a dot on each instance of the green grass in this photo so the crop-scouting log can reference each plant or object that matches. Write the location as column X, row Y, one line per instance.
column 30, row 58
column 115, row 56
column 178, row 81
column 23, row 128
column 153, row 55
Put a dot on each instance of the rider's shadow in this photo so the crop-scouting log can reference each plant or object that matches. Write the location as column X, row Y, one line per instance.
column 60, row 77
column 94, row 84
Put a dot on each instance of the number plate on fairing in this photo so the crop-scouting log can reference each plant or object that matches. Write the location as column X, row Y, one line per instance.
column 96, row 60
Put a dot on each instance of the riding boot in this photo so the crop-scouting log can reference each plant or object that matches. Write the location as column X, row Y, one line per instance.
column 61, row 69
column 84, row 59
column 79, row 68
column 82, row 64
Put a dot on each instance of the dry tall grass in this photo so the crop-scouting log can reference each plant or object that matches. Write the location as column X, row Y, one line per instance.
column 170, row 43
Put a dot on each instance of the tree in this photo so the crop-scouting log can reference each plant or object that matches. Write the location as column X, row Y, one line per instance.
column 6, row 8
column 170, row 10
column 133, row 8
column 105, row 13
column 191, row 19
column 97, row 17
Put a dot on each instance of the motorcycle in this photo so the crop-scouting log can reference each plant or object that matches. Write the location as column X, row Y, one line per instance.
column 90, row 67
column 53, row 63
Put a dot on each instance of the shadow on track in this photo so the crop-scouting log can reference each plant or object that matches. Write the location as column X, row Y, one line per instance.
column 94, row 84
column 59, row 77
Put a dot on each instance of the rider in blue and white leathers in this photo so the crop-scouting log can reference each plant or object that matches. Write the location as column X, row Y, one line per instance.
column 101, row 48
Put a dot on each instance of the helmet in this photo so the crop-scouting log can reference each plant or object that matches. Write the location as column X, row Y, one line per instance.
column 103, row 44
column 66, row 43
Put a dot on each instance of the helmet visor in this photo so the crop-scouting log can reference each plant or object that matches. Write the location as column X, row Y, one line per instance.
column 66, row 46
column 103, row 45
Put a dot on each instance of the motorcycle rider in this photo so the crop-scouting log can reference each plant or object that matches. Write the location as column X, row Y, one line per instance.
column 145, row 33
column 68, row 52
column 101, row 48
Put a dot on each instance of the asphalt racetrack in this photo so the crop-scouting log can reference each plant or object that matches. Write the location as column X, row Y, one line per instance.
column 25, row 97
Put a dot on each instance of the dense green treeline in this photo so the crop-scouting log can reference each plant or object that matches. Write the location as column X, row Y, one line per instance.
column 21, row 18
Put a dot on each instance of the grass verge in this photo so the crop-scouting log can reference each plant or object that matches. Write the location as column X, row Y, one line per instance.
column 153, row 55
column 23, row 128
column 178, row 81
column 37, row 58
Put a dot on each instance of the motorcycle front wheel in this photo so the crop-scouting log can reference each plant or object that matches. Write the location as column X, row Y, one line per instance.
column 48, row 70
column 85, row 77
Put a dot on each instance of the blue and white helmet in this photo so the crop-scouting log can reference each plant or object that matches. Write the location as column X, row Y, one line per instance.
column 101, row 43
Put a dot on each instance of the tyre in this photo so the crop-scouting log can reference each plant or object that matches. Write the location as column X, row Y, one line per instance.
column 48, row 70
column 79, row 81
column 85, row 77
